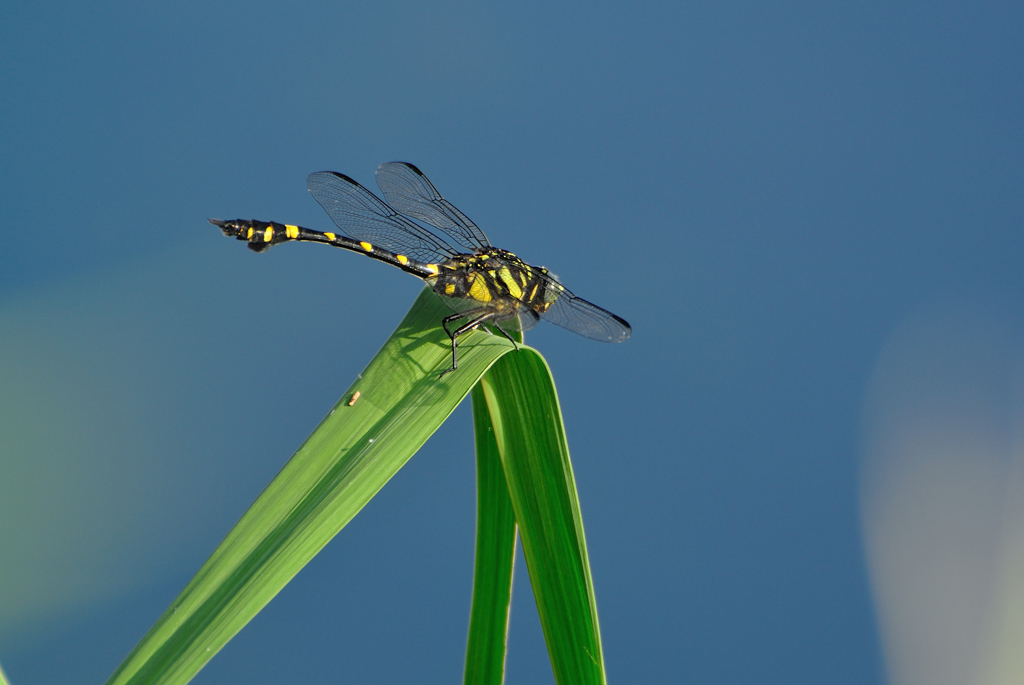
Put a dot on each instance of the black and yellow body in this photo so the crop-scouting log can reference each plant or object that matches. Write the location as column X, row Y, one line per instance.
column 483, row 284
column 261, row 235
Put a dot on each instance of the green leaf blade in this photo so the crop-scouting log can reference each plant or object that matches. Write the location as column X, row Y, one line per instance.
column 349, row 457
column 527, row 423
column 495, row 557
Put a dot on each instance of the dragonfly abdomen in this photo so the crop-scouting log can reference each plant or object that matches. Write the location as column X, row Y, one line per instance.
column 261, row 235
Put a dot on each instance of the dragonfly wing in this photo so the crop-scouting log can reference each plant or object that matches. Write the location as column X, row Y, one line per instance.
column 587, row 319
column 410, row 192
column 363, row 216
column 527, row 319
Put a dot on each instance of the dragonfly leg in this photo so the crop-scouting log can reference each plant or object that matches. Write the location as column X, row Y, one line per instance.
column 511, row 339
column 476, row 317
column 455, row 317
column 468, row 314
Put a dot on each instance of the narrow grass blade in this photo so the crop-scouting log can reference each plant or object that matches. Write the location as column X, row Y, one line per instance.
column 3, row 677
column 495, row 557
column 527, row 423
column 341, row 466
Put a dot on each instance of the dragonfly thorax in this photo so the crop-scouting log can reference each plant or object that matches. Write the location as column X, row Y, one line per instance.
column 497, row 279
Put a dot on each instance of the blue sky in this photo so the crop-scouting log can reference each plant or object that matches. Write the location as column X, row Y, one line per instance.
column 781, row 199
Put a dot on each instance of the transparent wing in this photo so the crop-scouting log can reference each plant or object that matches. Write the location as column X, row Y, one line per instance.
column 527, row 319
column 579, row 316
column 523, row 320
column 361, row 215
column 410, row 192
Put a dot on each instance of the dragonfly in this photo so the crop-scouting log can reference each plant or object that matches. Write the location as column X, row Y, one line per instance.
column 482, row 285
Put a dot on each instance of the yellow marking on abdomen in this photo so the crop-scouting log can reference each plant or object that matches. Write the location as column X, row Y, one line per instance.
column 291, row 231
column 402, row 259
column 510, row 282
column 432, row 268
column 330, row 236
column 366, row 246
column 248, row 235
column 478, row 289
column 268, row 234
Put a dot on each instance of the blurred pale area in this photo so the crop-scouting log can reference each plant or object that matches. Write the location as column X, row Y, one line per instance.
column 127, row 439
column 87, row 412
column 943, row 497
